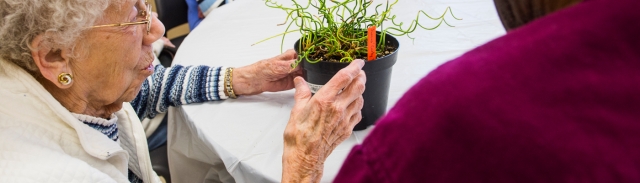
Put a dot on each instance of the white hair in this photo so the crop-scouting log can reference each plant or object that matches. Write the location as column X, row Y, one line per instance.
column 61, row 23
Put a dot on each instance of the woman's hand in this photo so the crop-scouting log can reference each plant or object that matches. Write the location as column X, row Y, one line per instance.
column 274, row 74
column 321, row 122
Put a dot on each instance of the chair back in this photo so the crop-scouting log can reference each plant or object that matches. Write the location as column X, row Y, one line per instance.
column 172, row 13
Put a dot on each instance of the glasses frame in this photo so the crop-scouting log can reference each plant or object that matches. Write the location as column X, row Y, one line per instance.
column 146, row 13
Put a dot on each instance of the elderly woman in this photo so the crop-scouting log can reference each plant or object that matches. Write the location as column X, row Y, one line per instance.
column 554, row 100
column 69, row 69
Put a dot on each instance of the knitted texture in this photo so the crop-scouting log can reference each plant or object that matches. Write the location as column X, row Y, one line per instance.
column 553, row 101
column 133, row 178
column 175, row 86
column 107, row 127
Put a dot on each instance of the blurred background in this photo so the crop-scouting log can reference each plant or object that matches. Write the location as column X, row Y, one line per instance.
column 176, row 31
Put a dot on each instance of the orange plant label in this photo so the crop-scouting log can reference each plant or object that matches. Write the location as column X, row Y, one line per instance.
column 371, row 43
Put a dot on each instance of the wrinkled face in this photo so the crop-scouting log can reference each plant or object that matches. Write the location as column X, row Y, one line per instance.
column 113, row 62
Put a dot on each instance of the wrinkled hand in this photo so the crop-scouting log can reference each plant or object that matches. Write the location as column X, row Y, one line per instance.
column 274, row 74
column 321, row 122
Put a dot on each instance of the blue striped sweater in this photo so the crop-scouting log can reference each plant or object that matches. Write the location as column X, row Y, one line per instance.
column 178, row 85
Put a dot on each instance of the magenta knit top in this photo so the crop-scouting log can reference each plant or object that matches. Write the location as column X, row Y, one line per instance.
column 557, row 100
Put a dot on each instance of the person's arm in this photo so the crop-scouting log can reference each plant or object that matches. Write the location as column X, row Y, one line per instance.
column 176, row 86
column 319, row 123
column 179, row 85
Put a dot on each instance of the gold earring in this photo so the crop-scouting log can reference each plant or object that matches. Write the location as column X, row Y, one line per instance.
column 65, row 78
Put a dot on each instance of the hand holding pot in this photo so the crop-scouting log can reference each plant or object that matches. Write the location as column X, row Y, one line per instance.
column 321, row 122
column 272, row 75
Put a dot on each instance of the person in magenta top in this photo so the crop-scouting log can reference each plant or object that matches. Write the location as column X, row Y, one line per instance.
column 553, row 100
column 556, row 99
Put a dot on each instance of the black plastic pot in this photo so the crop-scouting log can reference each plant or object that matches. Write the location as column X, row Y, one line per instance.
column 377, row 87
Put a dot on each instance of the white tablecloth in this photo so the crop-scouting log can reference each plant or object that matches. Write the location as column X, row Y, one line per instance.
column 241, row 139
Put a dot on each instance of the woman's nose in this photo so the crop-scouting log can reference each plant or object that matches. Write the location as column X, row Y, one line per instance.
column 155, row 32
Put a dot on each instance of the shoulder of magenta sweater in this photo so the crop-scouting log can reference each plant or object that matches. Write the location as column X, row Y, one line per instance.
column 526, row 106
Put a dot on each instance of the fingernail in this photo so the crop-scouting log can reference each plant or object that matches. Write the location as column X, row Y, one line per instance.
column 360, row 62
column 297, row 81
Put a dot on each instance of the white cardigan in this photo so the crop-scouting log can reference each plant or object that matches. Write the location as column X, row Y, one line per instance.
column 40, row 141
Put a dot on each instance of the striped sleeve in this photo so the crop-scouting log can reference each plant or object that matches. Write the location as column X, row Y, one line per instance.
column 178, row 85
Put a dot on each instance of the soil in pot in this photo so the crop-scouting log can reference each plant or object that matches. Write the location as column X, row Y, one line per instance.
column 378, row 74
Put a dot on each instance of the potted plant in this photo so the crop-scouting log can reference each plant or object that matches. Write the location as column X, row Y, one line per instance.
column 335, row 32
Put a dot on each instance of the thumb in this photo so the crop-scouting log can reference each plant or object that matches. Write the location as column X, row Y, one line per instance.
column 303, row 92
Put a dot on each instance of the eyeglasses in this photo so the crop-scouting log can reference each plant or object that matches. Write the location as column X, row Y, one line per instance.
column 143, row 13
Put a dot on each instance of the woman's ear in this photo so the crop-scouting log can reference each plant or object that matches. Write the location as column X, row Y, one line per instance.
column 51, row 62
